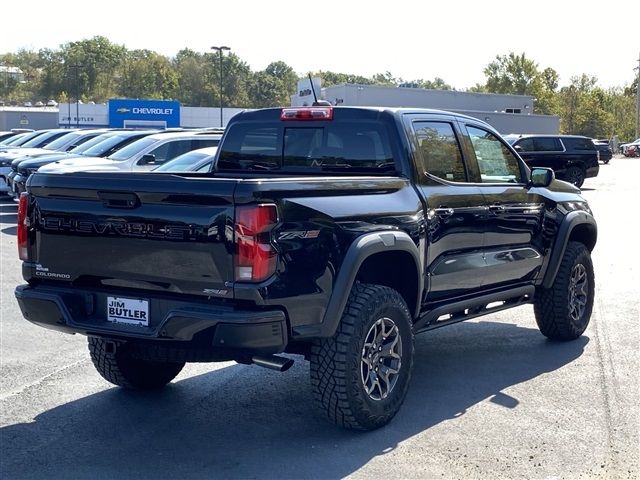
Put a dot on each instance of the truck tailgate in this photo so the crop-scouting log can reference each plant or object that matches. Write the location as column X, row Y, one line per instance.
column 172, row 234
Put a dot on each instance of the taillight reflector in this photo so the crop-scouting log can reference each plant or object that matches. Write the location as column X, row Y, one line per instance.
column 315, row 113
column 255, row 256
column 23, row 252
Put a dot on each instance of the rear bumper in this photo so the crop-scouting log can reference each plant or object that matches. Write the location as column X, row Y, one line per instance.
column 178, row 322
column 592, row 171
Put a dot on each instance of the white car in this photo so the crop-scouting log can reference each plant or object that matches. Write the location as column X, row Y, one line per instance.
column 141, row 155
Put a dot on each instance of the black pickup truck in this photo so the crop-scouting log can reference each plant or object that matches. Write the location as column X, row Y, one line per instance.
column 332, row 233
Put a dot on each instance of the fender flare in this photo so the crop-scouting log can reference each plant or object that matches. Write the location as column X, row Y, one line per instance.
column 569, row 223
column 361, row 249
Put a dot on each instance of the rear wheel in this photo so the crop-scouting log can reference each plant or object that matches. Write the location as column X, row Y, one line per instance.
column 360, row 376
column 116, row 365
column 575, row 175
column 564, row 310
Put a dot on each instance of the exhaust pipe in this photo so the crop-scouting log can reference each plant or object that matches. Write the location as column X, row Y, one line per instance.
column 272, row 362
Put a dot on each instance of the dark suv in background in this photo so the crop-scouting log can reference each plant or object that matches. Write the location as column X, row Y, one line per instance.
column 573, row 158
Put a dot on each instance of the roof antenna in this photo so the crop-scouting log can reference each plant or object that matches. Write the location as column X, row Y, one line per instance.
column 316, row 102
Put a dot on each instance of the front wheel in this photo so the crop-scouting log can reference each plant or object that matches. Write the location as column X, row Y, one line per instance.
column 360, row 376
column 564, row 310
column 117, row 365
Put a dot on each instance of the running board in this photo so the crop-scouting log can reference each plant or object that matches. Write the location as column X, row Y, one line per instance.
column 474, row 307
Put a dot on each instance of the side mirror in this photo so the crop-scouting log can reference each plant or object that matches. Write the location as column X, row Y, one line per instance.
column 147, row 159
column 541, row 177
column 518, row 148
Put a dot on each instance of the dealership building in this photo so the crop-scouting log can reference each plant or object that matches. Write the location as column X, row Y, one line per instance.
column 506, row 113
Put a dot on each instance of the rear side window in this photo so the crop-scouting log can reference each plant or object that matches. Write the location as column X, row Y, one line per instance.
column 440, row 150
column 578, row 143
column 496, row 162
column 337, row 145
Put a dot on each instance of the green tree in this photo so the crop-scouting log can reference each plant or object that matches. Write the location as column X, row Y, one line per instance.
column 147, row 74
column 333, row 78
column 192, row 70
column 101, row 61
column 584, row 108
column 517, row 75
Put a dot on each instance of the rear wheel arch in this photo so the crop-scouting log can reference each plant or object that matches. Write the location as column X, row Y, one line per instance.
column 360, row 263
column 394, row 269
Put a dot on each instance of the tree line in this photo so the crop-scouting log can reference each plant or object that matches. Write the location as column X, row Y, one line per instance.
column 98, row 69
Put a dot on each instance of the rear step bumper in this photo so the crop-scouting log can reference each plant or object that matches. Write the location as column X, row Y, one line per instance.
column 73, row 310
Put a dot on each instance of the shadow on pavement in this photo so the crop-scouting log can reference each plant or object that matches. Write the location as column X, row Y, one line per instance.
column 246, row 422
column 8, row 216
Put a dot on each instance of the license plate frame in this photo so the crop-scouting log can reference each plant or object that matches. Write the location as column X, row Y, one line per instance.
column 128, row 311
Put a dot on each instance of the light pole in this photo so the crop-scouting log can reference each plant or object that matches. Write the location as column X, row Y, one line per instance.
column 77, row 66
column 220, row 50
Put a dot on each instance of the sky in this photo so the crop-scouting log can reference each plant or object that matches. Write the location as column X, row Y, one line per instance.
column 453, row 40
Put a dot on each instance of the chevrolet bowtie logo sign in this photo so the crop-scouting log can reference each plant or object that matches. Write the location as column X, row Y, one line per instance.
column 123, row 110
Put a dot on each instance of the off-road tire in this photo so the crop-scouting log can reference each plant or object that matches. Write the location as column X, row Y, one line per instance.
column 575, row 176
column 118, row 366
column 552, row 306
column 337, row 362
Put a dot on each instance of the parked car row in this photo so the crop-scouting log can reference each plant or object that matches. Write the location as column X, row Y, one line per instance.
column 573, row 158
column 65, row 151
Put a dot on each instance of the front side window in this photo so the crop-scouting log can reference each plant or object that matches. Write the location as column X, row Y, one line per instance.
column 440, row 150
column 546, row 144
column 526, row 145
column 496, row 162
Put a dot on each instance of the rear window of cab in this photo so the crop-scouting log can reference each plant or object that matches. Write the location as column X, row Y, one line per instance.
column 336, row 145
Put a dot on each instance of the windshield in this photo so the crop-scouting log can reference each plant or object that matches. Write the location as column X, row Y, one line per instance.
column 12, row 139
column 63, row 141
column 90, row 143
column 182, row 163
column 24, row 138
column 111, row 144
column 44, row 139
column 131, row 149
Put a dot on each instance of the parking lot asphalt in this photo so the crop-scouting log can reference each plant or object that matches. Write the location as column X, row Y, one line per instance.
column 490, row 398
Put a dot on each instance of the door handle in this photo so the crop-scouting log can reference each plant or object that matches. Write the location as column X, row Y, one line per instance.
column 497, row 208
column 443, row 211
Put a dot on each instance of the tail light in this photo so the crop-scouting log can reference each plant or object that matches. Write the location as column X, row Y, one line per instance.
column 255, row 256
column 317, row 113
column 22, row 226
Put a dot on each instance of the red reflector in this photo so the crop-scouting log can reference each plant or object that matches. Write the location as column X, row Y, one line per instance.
column 315, row 113
column 255, row 257
column 22, row 226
